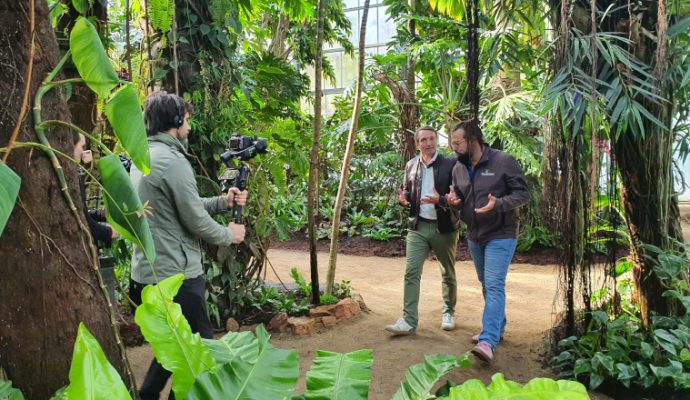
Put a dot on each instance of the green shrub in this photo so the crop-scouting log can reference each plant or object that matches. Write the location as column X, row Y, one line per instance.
column 328, row 299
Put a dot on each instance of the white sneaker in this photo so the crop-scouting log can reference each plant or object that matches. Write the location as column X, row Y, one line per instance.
column 401, row 328
column 447, row 322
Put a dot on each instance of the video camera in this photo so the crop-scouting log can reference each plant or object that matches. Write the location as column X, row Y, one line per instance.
column 240, row 148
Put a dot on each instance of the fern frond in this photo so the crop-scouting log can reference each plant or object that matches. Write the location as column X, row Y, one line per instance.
column 161, row 14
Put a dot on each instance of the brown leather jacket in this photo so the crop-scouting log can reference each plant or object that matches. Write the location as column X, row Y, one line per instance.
column 448, row 218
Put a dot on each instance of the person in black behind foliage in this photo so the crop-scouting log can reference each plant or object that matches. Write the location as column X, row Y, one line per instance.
column 102, row 233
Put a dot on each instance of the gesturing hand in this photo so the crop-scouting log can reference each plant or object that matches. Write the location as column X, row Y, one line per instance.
column 452, row 197
column 401, row 198
column 431, row 199
column 488, row 207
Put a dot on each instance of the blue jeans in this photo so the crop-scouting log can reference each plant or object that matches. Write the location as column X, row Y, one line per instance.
column 491, row 261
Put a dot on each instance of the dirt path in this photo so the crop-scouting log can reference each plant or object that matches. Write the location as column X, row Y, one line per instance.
column 530, row 293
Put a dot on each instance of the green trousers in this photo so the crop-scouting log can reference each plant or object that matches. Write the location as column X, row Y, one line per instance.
column 419, row 242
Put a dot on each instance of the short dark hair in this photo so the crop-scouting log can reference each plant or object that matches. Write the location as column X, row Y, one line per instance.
column 425, row 128
column 161, row 110
column 472, row 130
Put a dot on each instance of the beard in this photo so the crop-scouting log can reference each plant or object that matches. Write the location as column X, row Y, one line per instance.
column 464, row 158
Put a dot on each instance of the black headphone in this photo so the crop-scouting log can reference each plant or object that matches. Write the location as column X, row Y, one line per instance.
column 178, row 119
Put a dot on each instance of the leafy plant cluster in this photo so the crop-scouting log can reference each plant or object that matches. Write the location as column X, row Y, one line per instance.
column 239, row 365
column 262, row 303
column 617, row 350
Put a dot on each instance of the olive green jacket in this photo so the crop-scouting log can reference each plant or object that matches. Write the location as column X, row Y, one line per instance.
column 180, row 217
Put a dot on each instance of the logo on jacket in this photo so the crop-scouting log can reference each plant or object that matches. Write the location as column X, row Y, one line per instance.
column 486, row 172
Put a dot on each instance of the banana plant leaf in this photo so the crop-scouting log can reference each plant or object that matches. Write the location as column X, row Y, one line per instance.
column 9, row 189
column 124, row 210
column 337, row 376
column 91, row 377
column 8, row 392
column 124, row 114
column 176, row 348
column 502, row 389
column 420, row 378
column 90, row 58
column 233, row 345
column 273, row 375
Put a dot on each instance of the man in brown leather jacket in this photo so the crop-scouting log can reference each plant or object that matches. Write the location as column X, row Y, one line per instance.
column 433, row 225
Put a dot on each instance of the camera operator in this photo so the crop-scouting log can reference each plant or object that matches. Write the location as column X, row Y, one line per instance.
column 102, row 233
column 180, row 218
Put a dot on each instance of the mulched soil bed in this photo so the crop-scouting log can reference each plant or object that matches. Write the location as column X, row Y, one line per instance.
column 361, row 246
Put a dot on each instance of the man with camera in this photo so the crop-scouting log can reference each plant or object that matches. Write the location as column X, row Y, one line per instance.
column 180, row 218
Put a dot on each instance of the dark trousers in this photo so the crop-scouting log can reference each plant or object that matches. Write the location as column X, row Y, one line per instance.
column 191, row 297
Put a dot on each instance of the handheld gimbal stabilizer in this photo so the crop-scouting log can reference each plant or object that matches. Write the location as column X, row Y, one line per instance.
column 236, row 174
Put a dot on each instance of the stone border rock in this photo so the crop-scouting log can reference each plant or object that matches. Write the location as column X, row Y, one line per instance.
column 325, row 316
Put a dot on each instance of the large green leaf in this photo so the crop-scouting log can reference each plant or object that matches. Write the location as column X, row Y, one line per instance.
column 273, row 375
column 420, row 378
column 82, row 6
column 91, row 377
column 7, row 392
column 90, row 58
column 233, row 345
column 501, row 389
column 9, row 189
column 176, row 348
column 124, row 210
column 125, row 116
column 339, row 376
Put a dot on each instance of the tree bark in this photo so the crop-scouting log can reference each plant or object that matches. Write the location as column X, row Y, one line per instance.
column 409, row 115
column 48, row 281
column 645, row 165
column 349, row 151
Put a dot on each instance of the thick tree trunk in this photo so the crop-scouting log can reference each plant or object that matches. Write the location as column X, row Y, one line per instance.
column 48, row 281
column 409, row 115
column 645, row 165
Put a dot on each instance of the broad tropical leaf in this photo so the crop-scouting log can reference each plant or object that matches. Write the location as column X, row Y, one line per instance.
column 61, row 394
column 9, row 189
column 339, row 376
column 124, row 210
column 91, row 377
column 233, row 345
column 90, row 58
column 7, row 392
column 82, row 6
column 420, row 378
column 176, row 348
column 125, row 116
column 454, row 8
column 536, row 389
column 273, row 375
